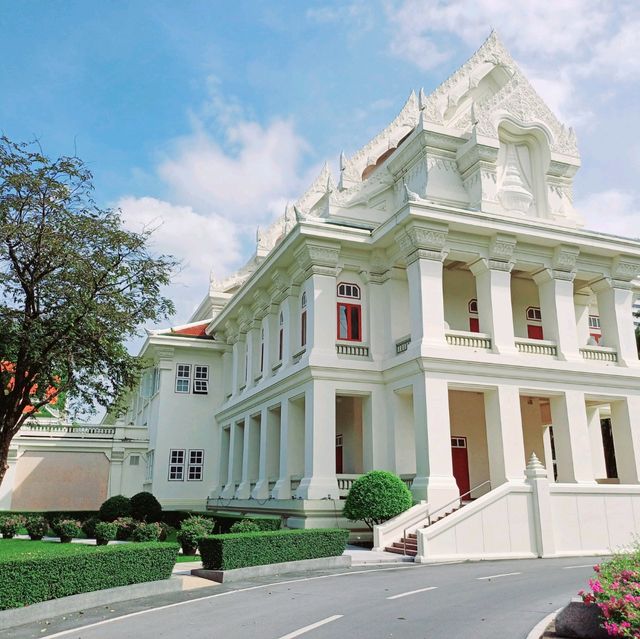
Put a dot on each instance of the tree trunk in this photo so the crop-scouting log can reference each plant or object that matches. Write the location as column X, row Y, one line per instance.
column 5, row 442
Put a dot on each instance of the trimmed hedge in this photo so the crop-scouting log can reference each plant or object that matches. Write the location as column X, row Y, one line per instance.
column 226, row 552
column 28, row 580
column 223, row 522
column 52, row 515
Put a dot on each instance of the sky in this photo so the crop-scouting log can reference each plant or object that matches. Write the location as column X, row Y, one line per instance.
column 204, row 118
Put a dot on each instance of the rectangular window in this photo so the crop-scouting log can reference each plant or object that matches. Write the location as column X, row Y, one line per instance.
column 303, row 329
column 183, row 378
column 594, row 321
column 534, row 332
column 196, row 465
column 134, row 460
column 176, row 465
column 349, row 322
column 201, row 380
column 280, row 343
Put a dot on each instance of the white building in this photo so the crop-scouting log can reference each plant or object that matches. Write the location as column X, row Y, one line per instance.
column 440, row 312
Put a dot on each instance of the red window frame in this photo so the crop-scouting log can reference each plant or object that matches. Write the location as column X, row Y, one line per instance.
column 351, row 309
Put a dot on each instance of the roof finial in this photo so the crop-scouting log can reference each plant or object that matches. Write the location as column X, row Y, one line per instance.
column 343, row 161
column 422, row 100
column 409, row 196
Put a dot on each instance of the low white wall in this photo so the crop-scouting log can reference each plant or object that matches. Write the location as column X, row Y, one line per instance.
column 594, row 519
column 498, row 525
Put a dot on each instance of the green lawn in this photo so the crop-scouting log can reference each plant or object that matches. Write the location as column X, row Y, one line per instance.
column 11, row 548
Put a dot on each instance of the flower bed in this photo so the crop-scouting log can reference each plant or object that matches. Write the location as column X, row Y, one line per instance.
column 226, row 552
column 37, row 571
column 616, row 591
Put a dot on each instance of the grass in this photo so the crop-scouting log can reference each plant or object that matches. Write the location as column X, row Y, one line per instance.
column 184, row 558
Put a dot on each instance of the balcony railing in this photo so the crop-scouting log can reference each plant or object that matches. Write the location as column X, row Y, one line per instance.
column 599, row 353
column 403, row 344
column 536, row 346
column 468, row 339
column 88, row 431
column 352, row 349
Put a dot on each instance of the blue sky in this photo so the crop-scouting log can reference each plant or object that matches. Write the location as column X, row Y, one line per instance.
column 205, row 117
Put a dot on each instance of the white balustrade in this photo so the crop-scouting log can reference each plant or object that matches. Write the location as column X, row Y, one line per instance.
column 352, row 349
column 599, row 353
column 403, row 344
column 468, row 339
column 536, row 346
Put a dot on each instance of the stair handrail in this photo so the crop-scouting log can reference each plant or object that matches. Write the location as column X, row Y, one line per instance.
column 453, row 501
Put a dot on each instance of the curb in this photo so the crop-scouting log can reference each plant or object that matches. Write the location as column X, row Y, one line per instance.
column 541, row 626
column 82, row 601
column 241, row 574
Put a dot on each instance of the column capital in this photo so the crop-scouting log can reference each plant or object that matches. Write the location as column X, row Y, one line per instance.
column 625, row 268
column 423, row 241
column 565, row 257
column 607, row 283
column 318, row 257
column 482, row 265
column 502, row 247
column 549, row 274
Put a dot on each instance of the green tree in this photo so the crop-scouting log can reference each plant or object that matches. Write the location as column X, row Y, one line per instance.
column 376, row 497
column 74, row 286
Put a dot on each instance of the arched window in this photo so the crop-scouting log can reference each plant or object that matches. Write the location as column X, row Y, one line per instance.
column 534, row 323
column 349, row 290
column 280, row 336
column 474, row 322
column 303, row 319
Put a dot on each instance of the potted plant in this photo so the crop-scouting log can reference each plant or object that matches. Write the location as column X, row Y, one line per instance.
column 147, row 531
column 66, row 529
column 105, row 531
column 9, row 526
column 37, row 527
column 191, row 530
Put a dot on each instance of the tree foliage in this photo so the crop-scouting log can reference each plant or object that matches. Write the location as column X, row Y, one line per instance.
column 74, row 286
column 376, row 497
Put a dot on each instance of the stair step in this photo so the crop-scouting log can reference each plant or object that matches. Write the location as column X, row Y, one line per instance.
column 400, row 551
column 409, row 544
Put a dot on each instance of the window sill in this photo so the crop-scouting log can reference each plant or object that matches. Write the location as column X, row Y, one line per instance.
column 275, row 367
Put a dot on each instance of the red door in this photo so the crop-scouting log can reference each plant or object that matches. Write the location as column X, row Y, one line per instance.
column 338, row 454
column 460, row 464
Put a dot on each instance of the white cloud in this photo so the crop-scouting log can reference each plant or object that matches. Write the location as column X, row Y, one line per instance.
column 612, row 211
column 226, row 177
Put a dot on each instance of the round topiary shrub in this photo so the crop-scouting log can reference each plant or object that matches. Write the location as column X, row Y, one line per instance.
column 66, row 529
column 376, row 497
column 244, row 526
column 147, row 531
column 10, row 525
column 37, row 527
column 124, row 528
column 114, row 507
column 145, row 507
column 191, row 530
column 104, row 532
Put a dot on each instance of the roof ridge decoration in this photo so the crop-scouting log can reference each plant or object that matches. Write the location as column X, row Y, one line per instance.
column 351, row 168
column 320, row 186
column 517, row 97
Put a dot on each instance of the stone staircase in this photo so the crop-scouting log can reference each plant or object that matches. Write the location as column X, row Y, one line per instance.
column 409, row 545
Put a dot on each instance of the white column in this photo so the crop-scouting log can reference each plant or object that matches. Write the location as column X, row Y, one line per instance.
column 222, row 470
column 493, row 291
column 571, row 438
column 282, row 489
column 319, row 481
column 625, row 426
column 227, row 373
column 288, row 307
column 505, row 441
column 374, row 432
column 555, row 290
column 261, row 490
column 270, row 327
column 538, row 477
column 252, row 345
column 615, row 307
column 235, row 460
column 434, row 481
column 582, row 302
column 250, row 456
column 379, row 315
column 595, row 440
column 321, row 312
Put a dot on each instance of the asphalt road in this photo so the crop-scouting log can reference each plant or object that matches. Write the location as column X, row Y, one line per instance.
column 497, row 600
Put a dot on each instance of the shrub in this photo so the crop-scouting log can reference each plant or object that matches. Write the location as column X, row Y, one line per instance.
column 145, row 507
column 165, row 531
column 615, row 591
column 66, row 529
column 225, row 552
column 125, row 527
column 225, row 522
column 115, row 507
column 29, row 579
column 244, row 526
column 376, row 497
column 89, row 527
column 37, row 527
column 147, row 531
column 191, row 530
column 9, row 526
column 104, row 532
